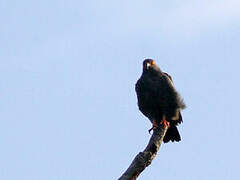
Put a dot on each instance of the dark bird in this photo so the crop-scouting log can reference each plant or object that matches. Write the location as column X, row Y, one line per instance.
column 158, row 100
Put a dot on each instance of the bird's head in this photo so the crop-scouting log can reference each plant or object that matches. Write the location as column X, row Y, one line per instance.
column 149, row 65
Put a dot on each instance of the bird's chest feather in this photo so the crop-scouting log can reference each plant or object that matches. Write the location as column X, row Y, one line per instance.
column 149, row 91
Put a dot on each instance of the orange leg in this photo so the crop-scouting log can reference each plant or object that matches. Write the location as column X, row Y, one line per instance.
column 154, row 126
column 165, row 122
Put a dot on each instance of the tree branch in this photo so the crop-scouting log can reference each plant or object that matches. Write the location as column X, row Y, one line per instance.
column 144, row 159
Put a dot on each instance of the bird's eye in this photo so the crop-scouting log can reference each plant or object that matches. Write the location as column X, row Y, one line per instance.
column 153, row 62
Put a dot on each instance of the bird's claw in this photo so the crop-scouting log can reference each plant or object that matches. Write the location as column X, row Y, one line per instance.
column 154, row 126
column 149, row 131
column 164, row 122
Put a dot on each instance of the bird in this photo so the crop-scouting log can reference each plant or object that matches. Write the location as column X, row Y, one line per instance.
column 159, row 100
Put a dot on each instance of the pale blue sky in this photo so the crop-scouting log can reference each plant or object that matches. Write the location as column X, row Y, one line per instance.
column 67, row 99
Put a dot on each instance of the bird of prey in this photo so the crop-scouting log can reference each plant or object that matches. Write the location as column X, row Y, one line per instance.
column 158, row 100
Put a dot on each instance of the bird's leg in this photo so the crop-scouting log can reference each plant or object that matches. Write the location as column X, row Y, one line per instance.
column 154, row 126
column 164, row 122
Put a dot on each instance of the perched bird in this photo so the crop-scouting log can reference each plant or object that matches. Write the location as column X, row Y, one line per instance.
column 158, row 100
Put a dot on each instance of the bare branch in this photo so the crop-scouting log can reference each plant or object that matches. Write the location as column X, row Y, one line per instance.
column 144, row 159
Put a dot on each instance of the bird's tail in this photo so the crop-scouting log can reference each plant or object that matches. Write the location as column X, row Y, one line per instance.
column 172, row 134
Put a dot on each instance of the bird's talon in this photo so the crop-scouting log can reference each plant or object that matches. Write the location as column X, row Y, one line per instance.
column 165, row 122
column 154, row 126
column 149, row 131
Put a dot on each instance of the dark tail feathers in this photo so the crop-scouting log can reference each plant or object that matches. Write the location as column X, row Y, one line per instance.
column 172, row 134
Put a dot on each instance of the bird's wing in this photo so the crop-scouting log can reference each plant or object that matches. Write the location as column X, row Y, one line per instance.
column 170, row 78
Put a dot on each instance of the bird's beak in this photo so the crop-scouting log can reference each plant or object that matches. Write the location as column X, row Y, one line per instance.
column 148, row 65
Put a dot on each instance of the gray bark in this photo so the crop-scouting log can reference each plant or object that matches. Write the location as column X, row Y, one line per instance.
column 144, row 159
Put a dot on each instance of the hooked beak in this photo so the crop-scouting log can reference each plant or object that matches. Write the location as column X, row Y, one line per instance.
column 148, row 65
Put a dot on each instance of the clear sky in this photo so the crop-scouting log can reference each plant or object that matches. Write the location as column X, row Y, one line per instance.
column 68, row 71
